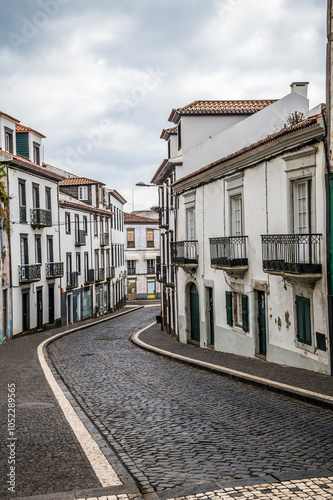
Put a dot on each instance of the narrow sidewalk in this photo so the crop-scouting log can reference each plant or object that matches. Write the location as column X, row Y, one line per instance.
column 302, row 384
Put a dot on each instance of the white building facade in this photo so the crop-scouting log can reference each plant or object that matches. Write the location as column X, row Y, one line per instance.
column 142, row 253
column 249, row 249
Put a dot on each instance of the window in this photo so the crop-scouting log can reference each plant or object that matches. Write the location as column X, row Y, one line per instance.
column 150, row 238
column 190, row 229
column 35, row 195
column 24, row 249
column 83, row 193
column 112, row 215
column 36, row 153
column 48, row 198
column 95, row 226
column 130, row 238
column 179, row 135
column 38, row 250
column 150, row 266
column 85, row 225
column 236, row 216
column 131, row 267
column 237, row 307
column 78, row 262
column 49, row 249
column 303, row 314
column 9, row 144
column 68, row 222
column 22, row 201
column 302, row 206
column 100, row 194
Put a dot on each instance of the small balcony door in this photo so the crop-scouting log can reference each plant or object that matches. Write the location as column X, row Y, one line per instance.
column 302, row 219
column 190, row 251
column 24, row 250
column 50, row 249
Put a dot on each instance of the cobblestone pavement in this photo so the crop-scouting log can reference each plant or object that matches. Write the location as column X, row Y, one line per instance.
column 175, row 425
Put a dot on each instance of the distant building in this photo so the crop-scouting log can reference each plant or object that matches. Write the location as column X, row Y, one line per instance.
column 142, row 253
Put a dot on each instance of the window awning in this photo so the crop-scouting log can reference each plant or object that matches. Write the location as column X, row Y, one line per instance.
column 132, row 256
column 149, row 256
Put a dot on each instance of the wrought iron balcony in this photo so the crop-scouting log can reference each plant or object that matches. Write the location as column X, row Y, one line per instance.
column 229, row 252
column 295, row 254
column 23, row 213
column 54, row 269
column 80, row 237
column 110, row 272
column 28, row 273
column 167, row 275
column 105, row 239
column 131, row 271
column 41, row 217
column 163, row 217
column 158, row 271
column 72, row 279
column 100, row 274
column 89, row 275
column 150, row 269
column 184, row 253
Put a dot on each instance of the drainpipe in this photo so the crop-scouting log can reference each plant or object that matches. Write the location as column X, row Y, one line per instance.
column 328, row 144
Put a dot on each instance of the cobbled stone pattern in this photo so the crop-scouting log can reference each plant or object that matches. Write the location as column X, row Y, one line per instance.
column 314, row 489
column 175, row 425
column 48, row 456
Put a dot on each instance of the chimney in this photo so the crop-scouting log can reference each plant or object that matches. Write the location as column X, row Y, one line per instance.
column 300, row 88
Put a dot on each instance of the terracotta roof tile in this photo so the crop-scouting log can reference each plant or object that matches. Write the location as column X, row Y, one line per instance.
column 78, row 181
column 10, row 117
column 166, row 132
column 23, row 128
column 220, row 108
column 138, row 218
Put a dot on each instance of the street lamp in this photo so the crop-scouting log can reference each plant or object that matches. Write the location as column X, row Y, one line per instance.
column 143, row 184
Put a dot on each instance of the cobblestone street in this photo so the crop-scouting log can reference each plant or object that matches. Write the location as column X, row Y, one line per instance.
column 174, row 425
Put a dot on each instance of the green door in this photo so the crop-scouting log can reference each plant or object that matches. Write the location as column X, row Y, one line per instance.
column 194, row 306
column 211, row 315
column 262, row 323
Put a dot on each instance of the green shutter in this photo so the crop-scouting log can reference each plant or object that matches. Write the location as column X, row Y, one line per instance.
column 303, row 320
column 245, row 313
column 228, row 305
column 22, row 144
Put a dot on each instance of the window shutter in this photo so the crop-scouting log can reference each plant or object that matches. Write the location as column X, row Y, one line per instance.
column 245, row 313
column 228, row 305
column 303, row 320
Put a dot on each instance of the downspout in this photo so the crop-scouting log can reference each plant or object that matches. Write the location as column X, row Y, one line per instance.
column 10, row 290
column 329, row 181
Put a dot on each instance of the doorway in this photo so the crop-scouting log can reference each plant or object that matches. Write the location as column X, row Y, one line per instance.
column 211, row 340
column 262, row 323
column 4, row 314
column 194, row 311
column 25, row 311
column 39, row 308
column 131, row 288
column 51, row 304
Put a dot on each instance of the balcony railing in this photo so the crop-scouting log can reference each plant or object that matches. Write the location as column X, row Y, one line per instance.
column 72, row 279
column 105, row 239
column 41, row 217
column 163, row 217
column 110, row 272
column 89, row 275
column 80, row 237
column 150, row 269
column 29, row 273
column 23, row 213
column 229, row 251
column 54, row 269
column 131, row 270
column 292, row 253
column 158, row 271
column 100, row 274
column 184, row 253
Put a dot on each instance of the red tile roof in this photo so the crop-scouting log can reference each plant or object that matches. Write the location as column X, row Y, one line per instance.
column 166, row 132
column 10, row 117
column 79, row 181
column 220, row 108
column 133, row 218
column 22, row 128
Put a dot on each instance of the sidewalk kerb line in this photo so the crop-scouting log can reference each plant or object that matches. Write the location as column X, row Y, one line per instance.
column 100, row 465
column 224, row 369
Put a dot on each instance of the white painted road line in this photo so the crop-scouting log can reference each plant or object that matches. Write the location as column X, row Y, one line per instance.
column 103, row 470
column 224, row 369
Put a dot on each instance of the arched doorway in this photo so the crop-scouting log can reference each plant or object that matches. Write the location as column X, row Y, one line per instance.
column 194, row 308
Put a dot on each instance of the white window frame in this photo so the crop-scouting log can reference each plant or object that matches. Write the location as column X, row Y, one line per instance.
column 82, row 193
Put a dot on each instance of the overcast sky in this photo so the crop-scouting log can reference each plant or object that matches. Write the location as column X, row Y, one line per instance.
column 99, row 78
